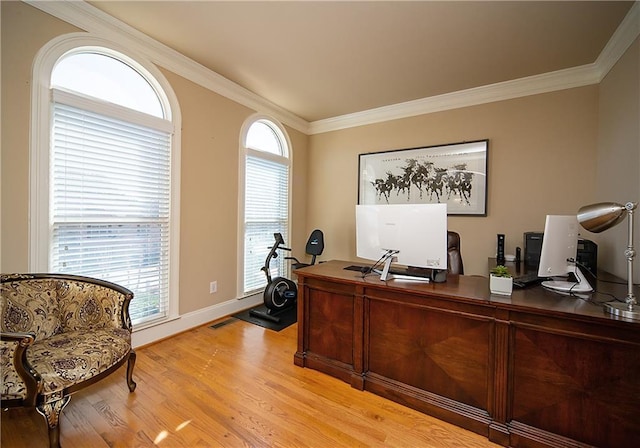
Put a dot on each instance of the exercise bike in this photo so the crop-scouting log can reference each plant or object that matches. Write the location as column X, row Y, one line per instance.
column 280, row 293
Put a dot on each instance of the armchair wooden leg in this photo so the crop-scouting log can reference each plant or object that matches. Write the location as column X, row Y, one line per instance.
column 131, row 362
column 51, row 412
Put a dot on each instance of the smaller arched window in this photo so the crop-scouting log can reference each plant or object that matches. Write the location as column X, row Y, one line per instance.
column 263, row 135
column 266, row 199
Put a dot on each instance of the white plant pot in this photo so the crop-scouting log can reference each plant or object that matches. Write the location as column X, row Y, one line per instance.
column 501, row 285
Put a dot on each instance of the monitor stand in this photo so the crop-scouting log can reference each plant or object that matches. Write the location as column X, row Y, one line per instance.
column 581, row 286
column 386, row 275
column 390, row 258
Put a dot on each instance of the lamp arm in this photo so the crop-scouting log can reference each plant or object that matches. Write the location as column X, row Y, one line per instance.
column 630, row 253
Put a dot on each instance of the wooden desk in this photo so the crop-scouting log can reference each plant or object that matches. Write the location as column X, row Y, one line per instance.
column 534, row 369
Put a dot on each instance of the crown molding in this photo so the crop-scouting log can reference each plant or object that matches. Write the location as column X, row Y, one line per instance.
column 93, row 20
column 621, row 40
column 532, row 85
column 594, row 73
column 96, row 22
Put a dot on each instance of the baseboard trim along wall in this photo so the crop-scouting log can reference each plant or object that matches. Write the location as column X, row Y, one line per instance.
column 191, row 320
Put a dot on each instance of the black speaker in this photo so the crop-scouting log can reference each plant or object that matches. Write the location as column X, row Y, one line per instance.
column 532, row 248
column 500, row 249
column 588, row 255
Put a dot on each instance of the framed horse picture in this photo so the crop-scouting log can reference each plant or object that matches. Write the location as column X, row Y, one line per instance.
column 455, row 174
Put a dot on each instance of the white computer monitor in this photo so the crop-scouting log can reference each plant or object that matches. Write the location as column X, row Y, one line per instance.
column 559, row 253
column 413, row 235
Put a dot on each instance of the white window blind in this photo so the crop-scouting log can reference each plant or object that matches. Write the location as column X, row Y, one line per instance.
column 266, row 212
column 111, row 204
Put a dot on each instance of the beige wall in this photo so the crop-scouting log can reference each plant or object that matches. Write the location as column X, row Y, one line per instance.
column 24, row 31
column 209, row 167
column 542, row 160
column 547, row 154
column 618, row 169
column 209, row 201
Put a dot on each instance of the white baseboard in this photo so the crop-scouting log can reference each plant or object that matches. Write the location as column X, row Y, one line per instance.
column 191, row 320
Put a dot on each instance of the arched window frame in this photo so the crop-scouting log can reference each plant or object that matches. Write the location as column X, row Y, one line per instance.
column 40, row 148
column 286, row 159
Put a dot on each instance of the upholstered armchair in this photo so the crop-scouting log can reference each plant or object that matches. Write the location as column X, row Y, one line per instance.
column 60, row 333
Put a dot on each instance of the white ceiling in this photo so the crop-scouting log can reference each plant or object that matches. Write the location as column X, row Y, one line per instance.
column 325, row 59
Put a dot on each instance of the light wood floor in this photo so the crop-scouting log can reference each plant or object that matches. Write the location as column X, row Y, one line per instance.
column 231, row 386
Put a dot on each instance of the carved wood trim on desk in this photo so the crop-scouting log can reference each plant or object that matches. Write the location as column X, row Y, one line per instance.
column 498, row 430
column 533, row 369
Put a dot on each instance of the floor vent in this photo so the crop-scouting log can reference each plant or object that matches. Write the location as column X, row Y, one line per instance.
column 222, row 324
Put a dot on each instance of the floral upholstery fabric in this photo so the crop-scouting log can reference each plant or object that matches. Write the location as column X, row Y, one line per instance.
column 84, row 305
column 12, row 385
column 78, row 328
column 73, row 357
column 30, row 306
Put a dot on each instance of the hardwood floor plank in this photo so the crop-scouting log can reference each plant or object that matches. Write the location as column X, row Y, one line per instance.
column 232, row 386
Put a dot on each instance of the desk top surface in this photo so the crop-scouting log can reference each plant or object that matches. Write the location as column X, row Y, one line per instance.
column 475, row 289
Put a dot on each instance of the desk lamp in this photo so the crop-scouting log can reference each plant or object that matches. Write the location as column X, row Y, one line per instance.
column 599, row 217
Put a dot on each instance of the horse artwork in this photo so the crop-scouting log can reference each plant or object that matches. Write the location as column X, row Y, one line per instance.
column 455, row 174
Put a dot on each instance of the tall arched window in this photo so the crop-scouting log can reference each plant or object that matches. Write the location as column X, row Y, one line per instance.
column 266, row 199
column 107, row 203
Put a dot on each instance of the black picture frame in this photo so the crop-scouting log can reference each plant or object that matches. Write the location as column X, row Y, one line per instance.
column 454, row 173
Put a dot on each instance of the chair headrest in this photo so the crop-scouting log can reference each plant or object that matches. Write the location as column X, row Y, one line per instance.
column 315, row 243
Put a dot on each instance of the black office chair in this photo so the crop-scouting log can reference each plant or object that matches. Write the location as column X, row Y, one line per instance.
column 453, row 253
column 315, row 246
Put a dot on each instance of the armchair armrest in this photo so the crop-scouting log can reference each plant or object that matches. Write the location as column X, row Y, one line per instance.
column 31, row 378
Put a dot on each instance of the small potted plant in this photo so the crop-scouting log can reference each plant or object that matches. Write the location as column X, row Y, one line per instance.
column 500, row 281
